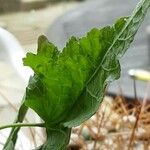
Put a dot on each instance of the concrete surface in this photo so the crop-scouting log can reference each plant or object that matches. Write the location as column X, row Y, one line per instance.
column 27, row 26
column 21, row 5
column 32, row 4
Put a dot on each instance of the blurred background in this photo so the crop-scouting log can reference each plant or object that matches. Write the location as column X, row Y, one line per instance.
column 22, row 21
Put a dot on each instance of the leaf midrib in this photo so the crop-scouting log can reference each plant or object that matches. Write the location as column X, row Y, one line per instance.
column 117, row 37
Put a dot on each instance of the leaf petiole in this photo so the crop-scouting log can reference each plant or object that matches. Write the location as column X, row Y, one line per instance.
column 22, row 125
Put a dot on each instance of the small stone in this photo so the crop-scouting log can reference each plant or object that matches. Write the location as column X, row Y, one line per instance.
column 86, row 134
column 117, row 126
column 125, row 118
column 131, row 118
column 109, row 141
column 140, row 131
column 103, row 131
column 95, row 130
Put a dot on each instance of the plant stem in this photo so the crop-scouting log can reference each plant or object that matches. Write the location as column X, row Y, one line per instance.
column 14, row 131
column 135, row 91
column 23, row 125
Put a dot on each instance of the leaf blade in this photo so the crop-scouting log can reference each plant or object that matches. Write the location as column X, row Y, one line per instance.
column 126, row 34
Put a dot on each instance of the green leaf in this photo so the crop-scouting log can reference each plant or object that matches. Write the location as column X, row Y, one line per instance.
column 68, row 86
column 116, row 41
column 61, row 134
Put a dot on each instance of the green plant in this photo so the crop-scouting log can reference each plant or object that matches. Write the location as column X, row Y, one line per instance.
column 68, row 87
